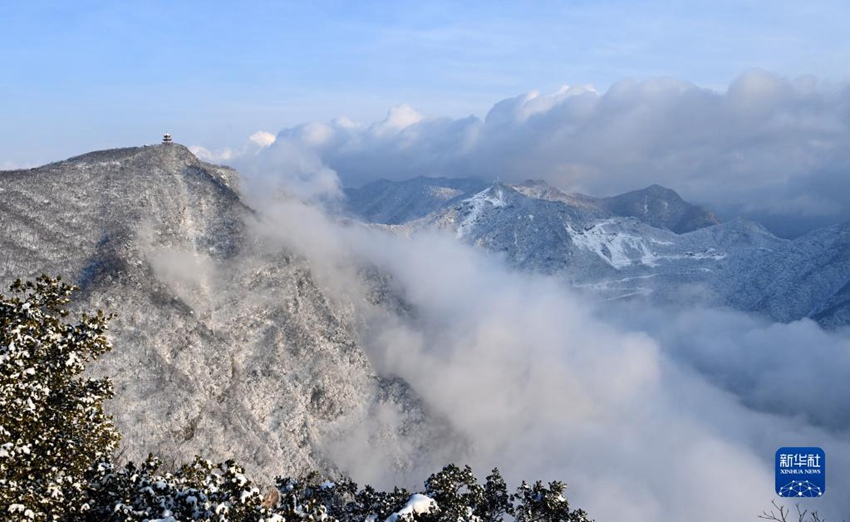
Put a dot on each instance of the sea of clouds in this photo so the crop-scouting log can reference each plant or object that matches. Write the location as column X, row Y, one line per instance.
column 647, row 413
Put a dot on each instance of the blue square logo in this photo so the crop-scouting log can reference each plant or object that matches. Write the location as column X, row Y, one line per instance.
column 800, row 472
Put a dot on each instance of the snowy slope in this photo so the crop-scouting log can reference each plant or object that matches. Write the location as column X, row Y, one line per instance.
column 662, row 208
column 618, row 256
column 392, row 203
column 808, row 278
column 223, row 347
column 651, row 243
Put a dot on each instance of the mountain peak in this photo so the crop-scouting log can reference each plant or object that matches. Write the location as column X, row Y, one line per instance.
column 661, row 191
column 130, row 165
column 164, row 151
column 223, row 344
column 660, row 207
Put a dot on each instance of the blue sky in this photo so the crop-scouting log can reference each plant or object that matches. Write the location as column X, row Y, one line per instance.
column 84, row 75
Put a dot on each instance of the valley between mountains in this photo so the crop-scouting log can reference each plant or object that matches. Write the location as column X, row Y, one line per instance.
column 411, row 324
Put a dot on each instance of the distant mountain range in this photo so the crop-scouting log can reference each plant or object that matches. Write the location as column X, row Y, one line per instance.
column 648, row 243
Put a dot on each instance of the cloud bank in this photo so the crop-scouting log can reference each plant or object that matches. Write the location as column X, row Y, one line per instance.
column 767, row 147
column 647, row 414
column 253, row 145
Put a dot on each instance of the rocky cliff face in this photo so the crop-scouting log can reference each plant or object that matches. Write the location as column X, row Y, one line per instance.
column 224, row 346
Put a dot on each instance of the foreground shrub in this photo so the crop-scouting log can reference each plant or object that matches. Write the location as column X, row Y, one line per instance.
column 52, row 425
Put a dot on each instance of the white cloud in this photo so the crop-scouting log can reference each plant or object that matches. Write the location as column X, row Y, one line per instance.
column 290, row 167
column 255, row 143
column 316, row 134
column 11, row 165
column 766, row 145
column 218, row 156
column 545, row 387
column 646, row 414
column 399, row 118
column 262, row 138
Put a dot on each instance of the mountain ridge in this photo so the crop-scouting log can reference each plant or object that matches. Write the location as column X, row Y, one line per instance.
column 225, row 344
column 661, row 207
column 650, row 243
column 396, row 202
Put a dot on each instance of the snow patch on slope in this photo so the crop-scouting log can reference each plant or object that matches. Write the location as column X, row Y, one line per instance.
column 622, row 249
column 615, row 247
column 477, row 204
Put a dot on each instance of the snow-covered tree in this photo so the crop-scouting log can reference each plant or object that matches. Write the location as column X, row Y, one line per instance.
column 200, row 490
column 459, row 497
column 457, row 493
column 52, row 426
column 540, row 503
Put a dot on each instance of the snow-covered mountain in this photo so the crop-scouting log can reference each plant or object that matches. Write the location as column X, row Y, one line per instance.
column 646, row 243
column 654, row 205
column 662, row 208
column 224, row 346
column 393, row 203
column 809, row 277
